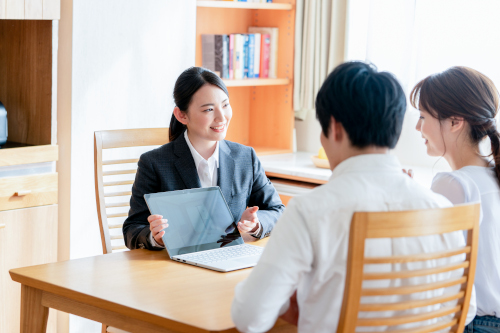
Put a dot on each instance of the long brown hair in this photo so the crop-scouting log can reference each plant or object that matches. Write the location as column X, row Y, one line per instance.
column 467, row 93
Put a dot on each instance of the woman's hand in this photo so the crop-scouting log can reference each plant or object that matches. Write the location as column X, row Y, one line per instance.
column 409, row 172
column 156, row 225
column 249, row 222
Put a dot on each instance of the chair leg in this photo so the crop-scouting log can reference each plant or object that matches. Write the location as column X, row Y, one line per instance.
column 104, row 328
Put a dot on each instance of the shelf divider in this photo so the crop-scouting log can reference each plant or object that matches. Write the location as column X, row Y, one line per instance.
column 243, row 5
column 257, row 82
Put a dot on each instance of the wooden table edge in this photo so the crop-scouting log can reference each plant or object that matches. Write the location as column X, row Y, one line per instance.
column 92, row 307
column 57, row 297
column 297, row 178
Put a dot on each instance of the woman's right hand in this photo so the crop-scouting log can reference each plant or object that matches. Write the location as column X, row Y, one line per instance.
column 156, row 225
column 409, row 172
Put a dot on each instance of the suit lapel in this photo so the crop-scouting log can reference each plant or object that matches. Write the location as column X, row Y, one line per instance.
column 185, row 164
column 226, row 171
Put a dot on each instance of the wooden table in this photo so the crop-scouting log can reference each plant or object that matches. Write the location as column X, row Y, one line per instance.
column 137, row 291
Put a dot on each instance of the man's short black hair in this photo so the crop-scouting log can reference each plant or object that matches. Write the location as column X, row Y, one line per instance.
column 369, row 104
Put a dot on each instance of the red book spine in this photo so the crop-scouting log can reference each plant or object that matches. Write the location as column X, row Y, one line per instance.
column 265, row 51
column 231, row 50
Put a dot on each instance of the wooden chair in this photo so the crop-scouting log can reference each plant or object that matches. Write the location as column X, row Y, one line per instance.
column 107, row 179
column 410, row 224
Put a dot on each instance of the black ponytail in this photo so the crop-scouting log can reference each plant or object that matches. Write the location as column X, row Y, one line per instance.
column 187, row 84
column 494, row 136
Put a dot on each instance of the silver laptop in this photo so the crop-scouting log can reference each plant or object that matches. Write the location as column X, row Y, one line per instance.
column 201, row 229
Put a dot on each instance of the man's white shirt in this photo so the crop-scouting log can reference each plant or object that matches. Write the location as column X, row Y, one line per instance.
column 308, row 248
column 207, row 172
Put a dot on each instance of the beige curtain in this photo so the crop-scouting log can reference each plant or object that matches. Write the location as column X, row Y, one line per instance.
column 320, row 44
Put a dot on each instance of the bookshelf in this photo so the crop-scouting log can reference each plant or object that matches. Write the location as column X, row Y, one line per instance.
column 262, row 108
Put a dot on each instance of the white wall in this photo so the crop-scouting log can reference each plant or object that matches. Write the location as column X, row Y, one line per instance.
column 126, row 56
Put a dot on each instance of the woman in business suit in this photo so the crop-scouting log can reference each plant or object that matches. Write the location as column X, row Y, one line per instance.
column 198, row 156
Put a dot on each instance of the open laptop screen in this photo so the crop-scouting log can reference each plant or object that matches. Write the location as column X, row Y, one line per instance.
column 198, row 219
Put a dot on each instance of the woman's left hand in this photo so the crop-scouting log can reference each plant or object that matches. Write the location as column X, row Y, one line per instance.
column 249, row 222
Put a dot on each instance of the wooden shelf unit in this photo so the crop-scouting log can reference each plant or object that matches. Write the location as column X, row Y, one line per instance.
column 262, row 108
column 28, row 202
column 244, row 5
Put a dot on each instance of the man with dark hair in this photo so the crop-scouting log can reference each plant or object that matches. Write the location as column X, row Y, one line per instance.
column 303, row 267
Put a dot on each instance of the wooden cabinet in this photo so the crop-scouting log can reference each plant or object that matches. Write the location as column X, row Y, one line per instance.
column 28, row 181
column 262, row 108
column 27, row 237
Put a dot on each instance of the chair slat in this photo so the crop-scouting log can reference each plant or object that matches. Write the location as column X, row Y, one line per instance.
column 409, row 304
column 412, row 289
column 117, row 204
column 401, row 223
column 132, row 160
column 116, row 237
column 115, row 226
column 110, row 216
column 416, row 257
column 400, row 320
column 118, row 183
column 117, row 194
column 429, row 328
column 119, row 172
column 118, row 247
column 134, row 137
column 413, row 273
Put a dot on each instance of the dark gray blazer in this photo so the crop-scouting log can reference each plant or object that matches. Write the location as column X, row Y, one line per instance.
column 171, row 167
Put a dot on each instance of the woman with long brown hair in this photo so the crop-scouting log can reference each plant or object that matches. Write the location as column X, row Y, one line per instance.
column 457, row 112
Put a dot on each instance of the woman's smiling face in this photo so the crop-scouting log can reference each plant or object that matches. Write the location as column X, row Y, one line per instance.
column 432, row 132
column 209, row 114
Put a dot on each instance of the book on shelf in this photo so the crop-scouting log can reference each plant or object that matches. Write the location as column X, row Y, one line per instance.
column 256, row 56
column 273, row 53
column 231, row 57
column 265, row 51
column 241, row 56
column 246, row 56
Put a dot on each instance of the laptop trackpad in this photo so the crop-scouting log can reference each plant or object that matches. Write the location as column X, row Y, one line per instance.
column 237, row 263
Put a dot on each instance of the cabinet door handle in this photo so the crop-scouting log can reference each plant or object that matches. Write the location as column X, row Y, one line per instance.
column 21, row 193
column 2, row 226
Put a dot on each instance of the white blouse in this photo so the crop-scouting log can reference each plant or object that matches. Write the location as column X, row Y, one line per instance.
column 479, row 184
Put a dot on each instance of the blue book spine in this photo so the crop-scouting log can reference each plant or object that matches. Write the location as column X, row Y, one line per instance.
column 269, row 0
column 225, row 57
column 245, row 57
column 251, row 55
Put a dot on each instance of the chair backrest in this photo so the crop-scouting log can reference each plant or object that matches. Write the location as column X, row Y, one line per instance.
column 410, row 224
column 106, row 173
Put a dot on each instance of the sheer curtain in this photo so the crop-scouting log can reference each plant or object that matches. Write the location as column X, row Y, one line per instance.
column 320, row 39
column 416, row 38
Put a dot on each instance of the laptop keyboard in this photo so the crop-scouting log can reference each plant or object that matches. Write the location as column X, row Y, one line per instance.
column 225, row 253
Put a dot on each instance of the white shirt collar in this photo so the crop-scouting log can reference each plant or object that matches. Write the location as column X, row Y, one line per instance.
column 367, row 163
column 197, row 157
